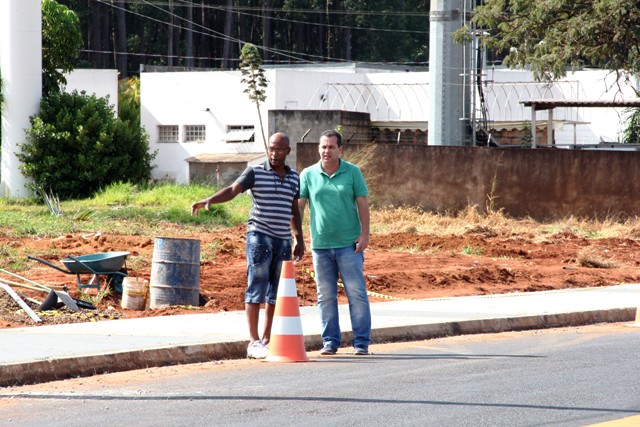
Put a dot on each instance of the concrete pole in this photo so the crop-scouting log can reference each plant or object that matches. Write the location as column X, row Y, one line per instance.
column 21, row 64
column 449, row 80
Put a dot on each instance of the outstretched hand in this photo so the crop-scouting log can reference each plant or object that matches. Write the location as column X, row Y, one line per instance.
column 195, row 208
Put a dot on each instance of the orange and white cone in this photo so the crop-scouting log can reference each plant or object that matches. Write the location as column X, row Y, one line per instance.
column 287, row 341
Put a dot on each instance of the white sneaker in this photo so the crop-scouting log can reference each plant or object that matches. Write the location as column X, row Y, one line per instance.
column 257, row 350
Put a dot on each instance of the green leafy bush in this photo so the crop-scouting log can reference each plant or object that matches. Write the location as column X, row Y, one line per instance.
column 76, row 146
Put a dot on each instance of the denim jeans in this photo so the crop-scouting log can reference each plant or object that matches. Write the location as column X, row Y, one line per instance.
column 264, row 263
column 328, row 264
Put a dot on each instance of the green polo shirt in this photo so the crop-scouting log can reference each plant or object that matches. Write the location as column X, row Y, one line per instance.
column 334, row 216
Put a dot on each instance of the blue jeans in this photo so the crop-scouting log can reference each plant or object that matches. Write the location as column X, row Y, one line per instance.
column 264, row 264
column 328, row 263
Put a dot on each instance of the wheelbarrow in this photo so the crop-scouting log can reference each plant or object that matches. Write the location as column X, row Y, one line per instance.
column 109, row 264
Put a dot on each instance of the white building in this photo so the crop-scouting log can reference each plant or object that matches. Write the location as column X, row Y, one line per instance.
column 206, row 115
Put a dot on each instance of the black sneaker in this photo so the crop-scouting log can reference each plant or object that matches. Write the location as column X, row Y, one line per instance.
column 328, row 350
column 361, row 351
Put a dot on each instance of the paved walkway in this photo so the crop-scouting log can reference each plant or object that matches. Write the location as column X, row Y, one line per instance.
column 46, row 353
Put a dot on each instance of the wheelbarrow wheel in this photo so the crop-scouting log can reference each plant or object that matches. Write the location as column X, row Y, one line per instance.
column 114, row 281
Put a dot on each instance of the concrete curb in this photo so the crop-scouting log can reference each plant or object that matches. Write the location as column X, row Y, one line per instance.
column 58, row 369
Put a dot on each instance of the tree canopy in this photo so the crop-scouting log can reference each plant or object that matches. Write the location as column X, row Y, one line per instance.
column 210, row 33
column 552, row 35
column 61, row 40
column 76, row 146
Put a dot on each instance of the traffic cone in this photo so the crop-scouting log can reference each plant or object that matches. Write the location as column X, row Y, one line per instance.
column 287, row 341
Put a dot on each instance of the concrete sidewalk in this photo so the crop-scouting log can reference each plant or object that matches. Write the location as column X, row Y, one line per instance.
column 46, row 353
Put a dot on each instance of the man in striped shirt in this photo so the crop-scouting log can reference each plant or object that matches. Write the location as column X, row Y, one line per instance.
column 275, row 189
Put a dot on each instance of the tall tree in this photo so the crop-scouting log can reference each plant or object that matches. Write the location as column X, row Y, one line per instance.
column 267, row 29
column 253, row 76
column 121, row 38
column 61, row 40
column 189, row 36
column 551, row 35
column 227, row 53
column 170, row 38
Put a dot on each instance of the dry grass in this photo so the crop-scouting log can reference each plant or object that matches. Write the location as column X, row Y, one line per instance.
column 592, row 259
column 470, row 220
column 363, row 157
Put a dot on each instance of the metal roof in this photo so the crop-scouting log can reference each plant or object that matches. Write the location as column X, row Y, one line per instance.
column 546, row 104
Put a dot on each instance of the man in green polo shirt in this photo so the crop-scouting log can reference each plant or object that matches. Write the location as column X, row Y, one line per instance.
column 339, row 221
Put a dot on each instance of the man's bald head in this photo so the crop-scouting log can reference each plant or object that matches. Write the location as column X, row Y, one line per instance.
column 279, row 137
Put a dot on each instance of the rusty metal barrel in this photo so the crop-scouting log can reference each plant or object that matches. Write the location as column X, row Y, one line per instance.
column 175, row 272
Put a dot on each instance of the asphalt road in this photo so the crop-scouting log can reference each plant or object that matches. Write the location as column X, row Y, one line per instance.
column 558, row 377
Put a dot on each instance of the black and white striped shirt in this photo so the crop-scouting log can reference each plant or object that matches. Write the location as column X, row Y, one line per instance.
column 272, row 199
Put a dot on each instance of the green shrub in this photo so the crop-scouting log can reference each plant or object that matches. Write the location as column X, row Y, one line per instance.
column 76, row 146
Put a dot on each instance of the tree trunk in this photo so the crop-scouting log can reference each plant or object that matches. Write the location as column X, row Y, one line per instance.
column 228, row 29
column 170, row 35
column 96, row 35
column 121, row 36
column 347, row 44
column 267, row 39
column 189, row 36
column 205, row 43
column 107, row 36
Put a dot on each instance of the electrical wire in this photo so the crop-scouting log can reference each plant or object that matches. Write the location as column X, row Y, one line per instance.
column 215, row 34
column 212, row 33
column 186, row 3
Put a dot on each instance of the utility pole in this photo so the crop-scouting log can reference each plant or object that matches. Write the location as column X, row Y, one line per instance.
column 449, row 77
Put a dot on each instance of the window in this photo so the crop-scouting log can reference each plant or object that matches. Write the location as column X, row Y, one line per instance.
column 239, row 133
column 195, row 133
column 168, row 133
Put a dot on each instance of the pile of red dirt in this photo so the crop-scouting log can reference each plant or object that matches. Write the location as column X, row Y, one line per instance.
column 397, row 266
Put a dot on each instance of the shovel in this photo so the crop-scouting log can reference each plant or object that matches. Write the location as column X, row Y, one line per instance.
column 51, row 301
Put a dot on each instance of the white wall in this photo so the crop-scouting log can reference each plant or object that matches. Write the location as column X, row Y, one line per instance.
column 101, row 83
column 182, row 98
column 213, row 99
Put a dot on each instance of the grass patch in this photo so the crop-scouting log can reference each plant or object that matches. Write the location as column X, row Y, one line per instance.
column 209, row 251
column 123, row 209
column 470, row 250
column 134, row 210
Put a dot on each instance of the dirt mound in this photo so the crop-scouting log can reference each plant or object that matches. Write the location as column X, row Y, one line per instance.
column 397, row 266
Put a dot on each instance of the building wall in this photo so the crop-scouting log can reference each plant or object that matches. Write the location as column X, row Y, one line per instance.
column 220, row 174
column 101, row 83
column 213, row 99
column 540, row 183
column 296, row 123
column 216, row 99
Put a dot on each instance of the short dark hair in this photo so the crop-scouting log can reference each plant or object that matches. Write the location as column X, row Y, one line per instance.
column 330, row 133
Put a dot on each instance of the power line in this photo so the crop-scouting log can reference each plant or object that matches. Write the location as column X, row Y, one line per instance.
column 216, row 34
column 295, row 56
column 185, row 3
